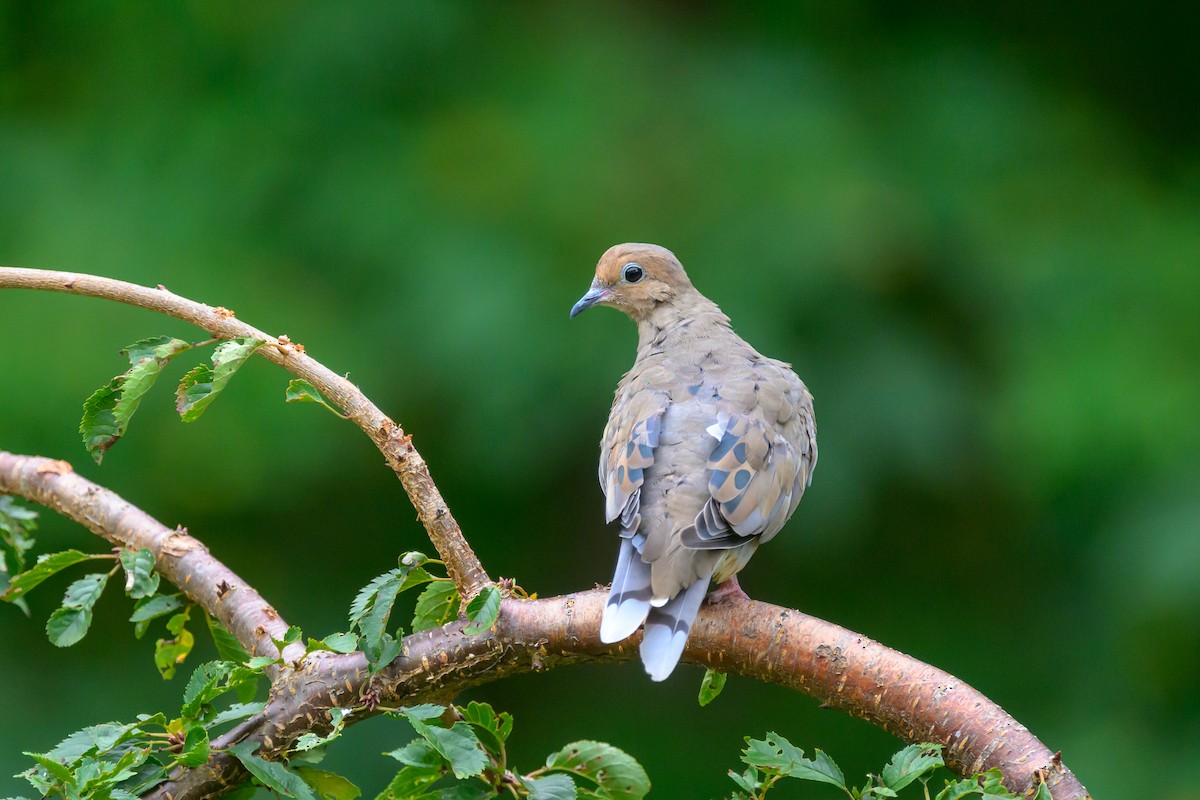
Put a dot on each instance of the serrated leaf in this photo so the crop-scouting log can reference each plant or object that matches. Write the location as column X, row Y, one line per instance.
column 201, row 385
column 66, row 626
column 328, row 785
column 155, row 347
column 617, row 774
column 204, row 686
column 195, row 747
column 748, row 781
column 552, row 787
column 373, row 623
column 911, row 763
column 140, row 578
column 410, row 784
column 46, row 566
column 389, row 648
column 272, row 774
column 341, row 642
column 237, row 711
column 150, row 608
column 170, row 653
column 711, row 686
column 365, row 598
column 458, row 744
column 436, row 605
column 778, row 754
column 1042, row 793
column 56, row 770
column 491, row 728
column 99, row 427
column 70, row 623
column 301, row 391
column 483, row 611
column 228, row 647
column 418, row 753
column 17, row 525
column 337, row 718
column 106, row 413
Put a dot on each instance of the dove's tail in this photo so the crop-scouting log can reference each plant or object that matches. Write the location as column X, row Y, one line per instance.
column 667, row 630
column 629, row 597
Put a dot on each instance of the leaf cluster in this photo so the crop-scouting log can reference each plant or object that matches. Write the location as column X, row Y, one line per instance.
column 773, row 758
column 459, row 754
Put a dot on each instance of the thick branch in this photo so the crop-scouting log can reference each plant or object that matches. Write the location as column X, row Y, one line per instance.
column 842, row 669
column 461, row 562
column 179, row 557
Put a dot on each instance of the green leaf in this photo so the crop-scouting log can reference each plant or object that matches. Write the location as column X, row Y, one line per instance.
column 201, row 385
column 436, row 605
column 1042, row 793
column 617, row 774
column 70, row 623
column 749, row 781
column 237, row 711
column 483, row 611
column 151, row 608
column 99, row 427
column 366, row 596
column 337, row 717
column 67, row 626
column 329, row 785
column 911, row 763
column 373, row 623
column 46, row 566
column 777, row 754
column 106, row 413
column 272, row 774
column 195, row 747
column 711, row 686
column 384, row 653
column 140, row 578
column 301, row 391
column 204, row 686
column 17, row 525
column 457, row 744
column 170, row 653
column 228, row 647
column 552, row 787
column 341, row 642
column 418, row 753
column 56, row 770
column 410, row 784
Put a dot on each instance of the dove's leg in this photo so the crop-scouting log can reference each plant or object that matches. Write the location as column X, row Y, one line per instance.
column 729, row 590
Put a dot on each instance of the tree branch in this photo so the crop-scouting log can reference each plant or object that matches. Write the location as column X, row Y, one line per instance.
column 461, row 563
column 842, row 669
column 179, row 557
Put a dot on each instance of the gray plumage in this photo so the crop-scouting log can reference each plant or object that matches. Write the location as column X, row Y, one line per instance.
column 707, row 451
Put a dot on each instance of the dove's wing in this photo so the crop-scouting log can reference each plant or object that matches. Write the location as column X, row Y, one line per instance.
column 626, row 452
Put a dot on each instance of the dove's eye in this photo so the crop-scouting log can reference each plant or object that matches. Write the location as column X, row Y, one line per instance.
column 633, row 273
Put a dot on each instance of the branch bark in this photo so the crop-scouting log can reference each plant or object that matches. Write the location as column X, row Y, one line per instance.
column 444, row 532
column 845, row 670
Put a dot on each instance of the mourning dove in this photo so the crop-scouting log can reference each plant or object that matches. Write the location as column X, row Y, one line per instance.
column 707, row 450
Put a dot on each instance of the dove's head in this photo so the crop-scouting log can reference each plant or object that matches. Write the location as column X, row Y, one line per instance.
column 637, row 279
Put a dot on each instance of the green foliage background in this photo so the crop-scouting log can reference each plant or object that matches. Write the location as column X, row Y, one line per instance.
column 974, row 231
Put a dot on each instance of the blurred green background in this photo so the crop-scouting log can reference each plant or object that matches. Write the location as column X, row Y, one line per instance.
column 973, row 228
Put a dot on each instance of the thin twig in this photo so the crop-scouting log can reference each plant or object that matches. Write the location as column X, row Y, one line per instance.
column 179, row 557
column 461, row 562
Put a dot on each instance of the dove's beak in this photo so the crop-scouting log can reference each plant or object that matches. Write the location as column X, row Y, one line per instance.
column 594, row 295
